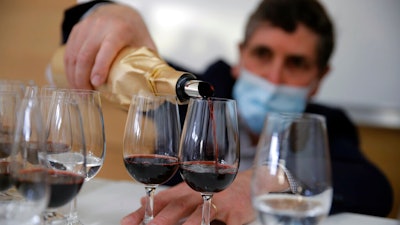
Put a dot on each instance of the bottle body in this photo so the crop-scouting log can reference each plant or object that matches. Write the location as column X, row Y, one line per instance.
column 138, row 71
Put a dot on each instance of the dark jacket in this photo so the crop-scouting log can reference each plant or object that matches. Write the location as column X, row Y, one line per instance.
column 359, row 186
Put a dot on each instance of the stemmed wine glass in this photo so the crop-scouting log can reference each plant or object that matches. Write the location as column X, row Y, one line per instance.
column 151, row 142
column 209, row 149
column 9, row 103
column 89, row 104
column 16, row 86
column 27, row 174
column 66, row 154
column 11, row 93
column 292, row 180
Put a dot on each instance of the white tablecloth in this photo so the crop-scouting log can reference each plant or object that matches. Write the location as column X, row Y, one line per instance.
column 105, row 202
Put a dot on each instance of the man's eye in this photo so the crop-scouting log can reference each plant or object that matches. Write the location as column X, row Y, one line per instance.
column 262, row 53
column 297, row 63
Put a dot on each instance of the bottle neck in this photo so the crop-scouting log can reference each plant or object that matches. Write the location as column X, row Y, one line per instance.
column 189, row 86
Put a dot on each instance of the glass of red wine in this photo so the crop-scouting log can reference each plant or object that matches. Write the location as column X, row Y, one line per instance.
column 150, row 143
column 66, row 154
column 209, row 148
column 27, row 180
column 292, row 173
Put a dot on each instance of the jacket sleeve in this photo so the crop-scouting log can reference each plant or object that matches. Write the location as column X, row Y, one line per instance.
column 73, row 15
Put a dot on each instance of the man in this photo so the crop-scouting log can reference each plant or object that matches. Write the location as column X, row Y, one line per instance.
column 283, row 59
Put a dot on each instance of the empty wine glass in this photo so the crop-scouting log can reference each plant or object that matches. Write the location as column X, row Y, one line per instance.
column 28, row 174
column 66, row 154
column 89, row 104
column 292, row 180
column 151, row 142
column 209, row 149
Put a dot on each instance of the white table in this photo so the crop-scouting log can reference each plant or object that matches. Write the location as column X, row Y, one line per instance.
column 106, row 202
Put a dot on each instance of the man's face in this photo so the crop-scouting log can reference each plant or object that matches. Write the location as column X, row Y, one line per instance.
column 283, row 58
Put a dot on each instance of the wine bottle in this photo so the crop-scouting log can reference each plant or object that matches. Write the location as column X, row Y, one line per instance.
column 137, row 71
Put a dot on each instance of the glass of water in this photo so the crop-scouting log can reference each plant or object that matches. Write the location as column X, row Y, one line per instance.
column 292, row 178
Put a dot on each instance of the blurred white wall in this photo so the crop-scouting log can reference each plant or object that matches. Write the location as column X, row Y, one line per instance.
column 365, row 75
column 195, row 33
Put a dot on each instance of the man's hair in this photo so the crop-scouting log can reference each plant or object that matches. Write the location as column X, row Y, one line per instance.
column 287, row 14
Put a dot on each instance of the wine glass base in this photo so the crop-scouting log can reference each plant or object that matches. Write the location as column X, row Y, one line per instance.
column 10, row 194
column 54, row 218
column 74, row 222
column 71, row 214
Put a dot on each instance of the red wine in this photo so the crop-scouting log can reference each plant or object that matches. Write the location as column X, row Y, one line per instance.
column 5, row 149
column 5, row 177
column 151, row 169
column 207, row 176
column 32, row 183
column 64, row 187
column 214, row 130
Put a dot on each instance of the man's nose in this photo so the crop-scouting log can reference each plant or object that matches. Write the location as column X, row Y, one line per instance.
column 273, row 72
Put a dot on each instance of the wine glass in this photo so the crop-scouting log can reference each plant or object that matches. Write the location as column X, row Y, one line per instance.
column 89, row 104
column 292, row 180
column 45, row 96
column 66, row 154
column 28, row 175
column 9, row 103
column 11, row 93
column 15, row 86
column 209, row 149
column 151, row 142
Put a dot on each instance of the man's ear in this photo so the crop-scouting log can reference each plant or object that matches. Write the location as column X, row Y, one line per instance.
column 323, row 73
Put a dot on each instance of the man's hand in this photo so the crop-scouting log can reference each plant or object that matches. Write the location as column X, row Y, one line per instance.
column 232, row 206
column 96, row 40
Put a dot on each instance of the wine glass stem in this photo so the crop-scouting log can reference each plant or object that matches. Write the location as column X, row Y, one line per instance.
column 148, row 216
column 73, row 212
column 205, row 220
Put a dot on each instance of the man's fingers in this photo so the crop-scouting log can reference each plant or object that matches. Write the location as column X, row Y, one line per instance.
column 197, row 215
column 104, row 59
column 83, row 66
column 175, row 210
column 76, row 40
column 81, row 50
column 133, row 218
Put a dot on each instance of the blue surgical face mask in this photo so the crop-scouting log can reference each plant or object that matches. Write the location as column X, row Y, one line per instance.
column 256, row 97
